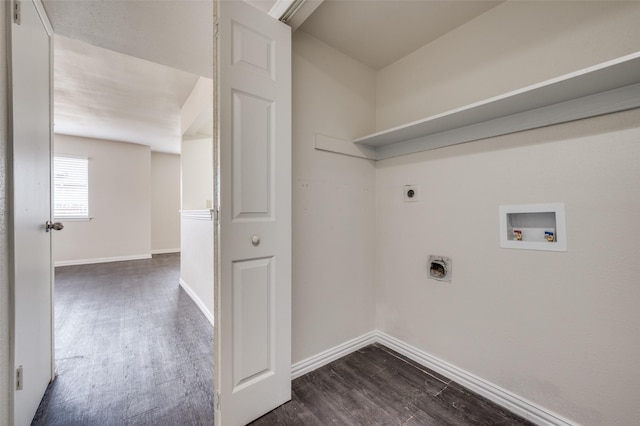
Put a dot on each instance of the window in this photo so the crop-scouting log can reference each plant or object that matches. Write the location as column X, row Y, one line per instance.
column 71, row 187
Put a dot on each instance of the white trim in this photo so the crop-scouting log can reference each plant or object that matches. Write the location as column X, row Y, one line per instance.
column 197, row 214
column 292, row 12
column 605, row 88
column 608, row 102
column 340, row 146
column 102, row 260
column 614, row 77
column 43, row 17
column 165, row 251
column 280, row 7
column 307, row 365
column 72, row 219
column 192, row 294
column 500, row 396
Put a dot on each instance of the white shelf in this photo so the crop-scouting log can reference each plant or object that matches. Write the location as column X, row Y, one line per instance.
column 602, row 89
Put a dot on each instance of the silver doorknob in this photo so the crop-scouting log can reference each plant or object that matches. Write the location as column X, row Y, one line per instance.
column 56, row 226
column 255, row 240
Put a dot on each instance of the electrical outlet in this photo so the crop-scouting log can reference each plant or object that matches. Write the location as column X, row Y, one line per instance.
column 411, row 193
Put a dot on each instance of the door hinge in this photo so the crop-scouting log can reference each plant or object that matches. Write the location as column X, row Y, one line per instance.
column 216, row 215
column 216, row 400
column 19, row 378
column 216, row 29
column 16, row 12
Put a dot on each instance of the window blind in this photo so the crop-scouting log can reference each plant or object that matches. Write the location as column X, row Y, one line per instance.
column 71, row 187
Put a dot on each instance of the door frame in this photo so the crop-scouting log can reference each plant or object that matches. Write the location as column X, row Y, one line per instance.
column 10, row 196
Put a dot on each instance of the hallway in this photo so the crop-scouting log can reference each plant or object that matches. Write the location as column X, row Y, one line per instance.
column 131, row 348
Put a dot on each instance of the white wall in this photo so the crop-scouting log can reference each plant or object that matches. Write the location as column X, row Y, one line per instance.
column 4, row 262
column 333, row 200
column 119, row 203
column 509, row 47
column 165, row 202
column 197, row 173
column 196, row 260
column 559, row 329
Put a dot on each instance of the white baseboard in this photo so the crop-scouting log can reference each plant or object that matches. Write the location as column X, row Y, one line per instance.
column 165, row 251
column 307, row 365
column 192, row 294
column 500, row 396
column 101, row 260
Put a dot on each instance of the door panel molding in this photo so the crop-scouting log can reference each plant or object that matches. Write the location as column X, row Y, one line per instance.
column 253, row 288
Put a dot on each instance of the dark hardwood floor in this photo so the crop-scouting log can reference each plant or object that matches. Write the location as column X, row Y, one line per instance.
column 377, row 386
column 131, row 348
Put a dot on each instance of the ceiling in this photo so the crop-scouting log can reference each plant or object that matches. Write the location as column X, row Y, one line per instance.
column 378, row 33
column 99, row 93
column 124, row 68
column 176, row 33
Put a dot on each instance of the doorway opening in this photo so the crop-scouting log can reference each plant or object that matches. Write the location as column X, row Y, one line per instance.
column 133, row 330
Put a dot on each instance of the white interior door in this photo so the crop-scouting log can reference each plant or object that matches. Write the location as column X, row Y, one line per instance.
column 253, row 307
column 31, row 209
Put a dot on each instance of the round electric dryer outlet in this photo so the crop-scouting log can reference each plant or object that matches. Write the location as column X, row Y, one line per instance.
column 411, row 193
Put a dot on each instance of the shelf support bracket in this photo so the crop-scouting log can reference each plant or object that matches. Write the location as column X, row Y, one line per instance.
column 341, row 146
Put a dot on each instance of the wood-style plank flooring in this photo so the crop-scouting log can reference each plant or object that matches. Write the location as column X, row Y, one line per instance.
column 131, row 348
column 377, row 386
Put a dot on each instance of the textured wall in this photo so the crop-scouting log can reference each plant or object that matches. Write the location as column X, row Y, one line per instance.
column 558, row 329
column 196, row 173
column 511, row 46
column 196, row 261
column 165, row 202
column 333, row 200
column 119, row 202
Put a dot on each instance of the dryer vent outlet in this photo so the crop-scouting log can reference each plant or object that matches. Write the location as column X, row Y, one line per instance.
column 439, row 268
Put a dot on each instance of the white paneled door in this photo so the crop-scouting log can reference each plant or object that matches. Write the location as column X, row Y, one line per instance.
column 30, row 162
column 253, row 305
